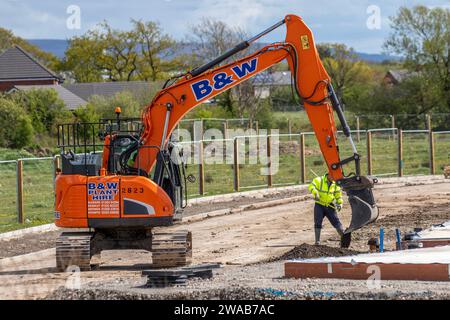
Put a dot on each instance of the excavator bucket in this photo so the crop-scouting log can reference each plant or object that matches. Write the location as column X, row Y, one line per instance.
column 364, row 210
column 362, row 202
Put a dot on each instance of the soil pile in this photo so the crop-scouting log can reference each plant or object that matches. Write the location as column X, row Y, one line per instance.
column 307, row 251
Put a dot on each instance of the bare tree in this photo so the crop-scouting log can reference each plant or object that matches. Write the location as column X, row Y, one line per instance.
column 211, row 38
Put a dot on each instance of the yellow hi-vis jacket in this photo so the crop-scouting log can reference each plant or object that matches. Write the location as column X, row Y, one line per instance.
column 325, row 191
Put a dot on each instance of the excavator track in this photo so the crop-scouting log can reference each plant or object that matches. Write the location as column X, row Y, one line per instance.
column 74, row 249
column 171, row 249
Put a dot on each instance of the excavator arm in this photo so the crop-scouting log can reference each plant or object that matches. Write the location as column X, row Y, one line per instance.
column 312, row 84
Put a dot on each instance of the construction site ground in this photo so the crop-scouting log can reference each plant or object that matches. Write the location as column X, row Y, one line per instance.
column 252, row 246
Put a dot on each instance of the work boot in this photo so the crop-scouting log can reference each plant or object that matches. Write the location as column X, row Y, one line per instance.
column 317, row 236
column 345, row 238
column 340, row 231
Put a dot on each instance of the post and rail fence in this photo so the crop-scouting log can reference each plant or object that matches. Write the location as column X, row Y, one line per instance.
column 386, row 152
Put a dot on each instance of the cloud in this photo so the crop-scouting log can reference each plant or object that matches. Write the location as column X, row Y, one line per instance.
column 28, row 21
column 331, row 20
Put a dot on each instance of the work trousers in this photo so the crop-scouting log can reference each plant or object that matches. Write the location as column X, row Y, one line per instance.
column 321, row 212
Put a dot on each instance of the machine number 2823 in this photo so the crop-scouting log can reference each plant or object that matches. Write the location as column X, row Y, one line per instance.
column 132, row 190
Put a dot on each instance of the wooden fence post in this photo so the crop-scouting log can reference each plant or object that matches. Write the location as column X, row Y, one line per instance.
column 432, row 153
column 393, row 126
column 257, row 127
column 302, row 159
column 289, row 127
column 428, row 117
column 201, row 169
column 57, row 163
column 19, row 173
column 369, row 153
column 236, row 164
column 225, row 130
column 56, row 168
column 400, row 153
column 358, row 136
column 269, row 159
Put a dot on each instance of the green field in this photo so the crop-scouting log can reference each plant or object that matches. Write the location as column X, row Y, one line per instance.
column 38, row 175
column 38, row 194
column 219, row 177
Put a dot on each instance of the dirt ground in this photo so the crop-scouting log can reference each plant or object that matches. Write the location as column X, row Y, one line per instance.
column 45, row 240
column 243, row 243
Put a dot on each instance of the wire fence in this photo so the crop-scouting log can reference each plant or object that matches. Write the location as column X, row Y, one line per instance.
column 298, row 122
column 238, row 164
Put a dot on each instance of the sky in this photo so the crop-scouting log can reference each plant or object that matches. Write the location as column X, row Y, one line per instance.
column 361, row 24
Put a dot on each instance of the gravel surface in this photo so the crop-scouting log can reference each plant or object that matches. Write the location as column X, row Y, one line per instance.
column 258, row 281
column 243, row 293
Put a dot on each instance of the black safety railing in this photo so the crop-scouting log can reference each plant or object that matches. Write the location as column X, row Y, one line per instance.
column 90, row 136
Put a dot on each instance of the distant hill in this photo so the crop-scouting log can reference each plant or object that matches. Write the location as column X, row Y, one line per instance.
column 58, row 47
column 377, row 58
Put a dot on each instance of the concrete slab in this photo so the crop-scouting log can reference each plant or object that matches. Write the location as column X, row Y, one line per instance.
column 438, row 235
column 436, row 232
column 428, row 264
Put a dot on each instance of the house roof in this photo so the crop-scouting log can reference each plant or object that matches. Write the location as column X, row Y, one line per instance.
column 87, row 90
column 277, row 78
column 71, row 100
column 17, row 64
column 399, row 75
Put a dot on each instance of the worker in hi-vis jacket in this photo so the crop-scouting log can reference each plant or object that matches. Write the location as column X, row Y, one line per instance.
column 328, row 197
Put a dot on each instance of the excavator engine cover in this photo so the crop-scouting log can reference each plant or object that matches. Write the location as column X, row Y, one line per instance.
column 362, row 202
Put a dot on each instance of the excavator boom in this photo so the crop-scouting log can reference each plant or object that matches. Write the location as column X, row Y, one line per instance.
column 311, row 82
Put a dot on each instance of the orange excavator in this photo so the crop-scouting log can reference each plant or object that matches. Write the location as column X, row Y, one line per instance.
column 120, row 201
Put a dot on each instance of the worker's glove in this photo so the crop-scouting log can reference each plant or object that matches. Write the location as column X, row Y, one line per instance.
column 315, row 195
column 338, row 207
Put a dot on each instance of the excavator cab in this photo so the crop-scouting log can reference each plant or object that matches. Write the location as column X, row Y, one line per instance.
column 168, row 173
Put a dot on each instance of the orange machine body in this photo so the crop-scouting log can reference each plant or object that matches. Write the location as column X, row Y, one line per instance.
column 110, row 201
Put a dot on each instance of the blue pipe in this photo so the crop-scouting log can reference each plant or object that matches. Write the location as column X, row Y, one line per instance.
column 381, row 240
column 399, row 240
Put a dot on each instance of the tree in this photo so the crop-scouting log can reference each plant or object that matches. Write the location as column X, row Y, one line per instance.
column 422, row 36
column 44, row 108
column 143, row 53
column 156, row 50
column 8, row 40
column 413, row 96
column 103, row 53
column 81, row 59
column 344, row 69
column 16, row 130
column 211, row 38
column 104, row 106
